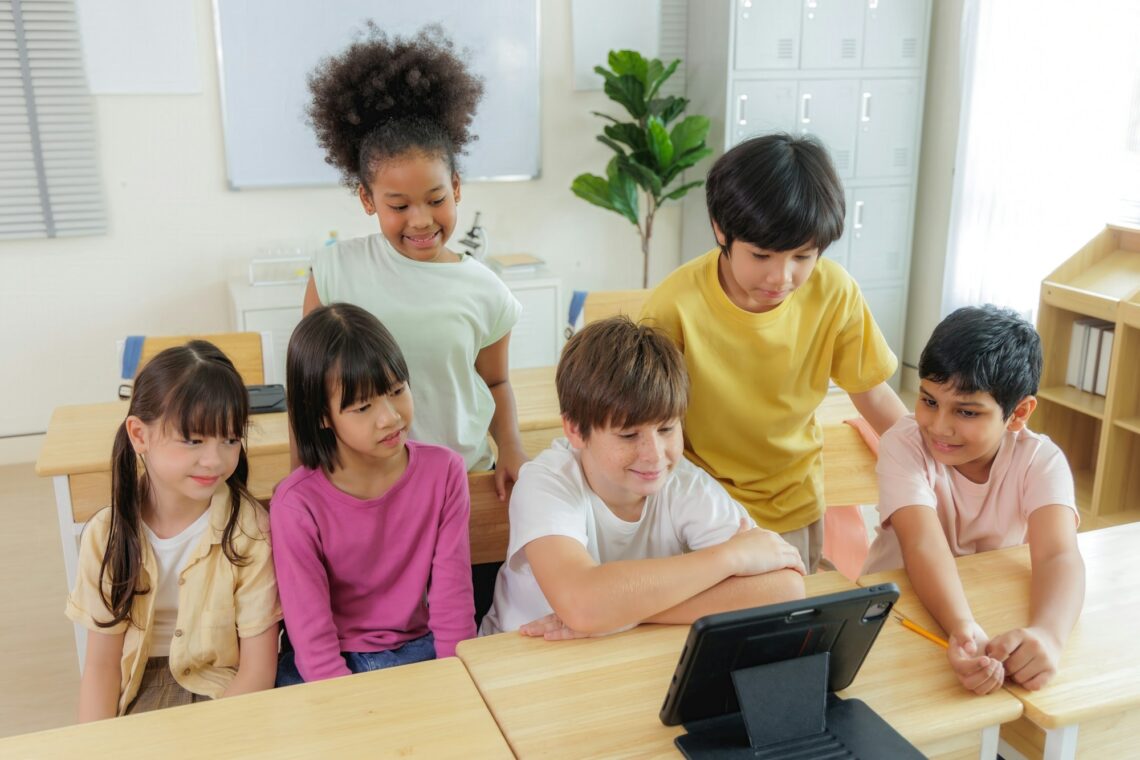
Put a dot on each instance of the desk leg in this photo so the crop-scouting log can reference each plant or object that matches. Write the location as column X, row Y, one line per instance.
column 990, row 737
column 1061, row 743
column 70, row 551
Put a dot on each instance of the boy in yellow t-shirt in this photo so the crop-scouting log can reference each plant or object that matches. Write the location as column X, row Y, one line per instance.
column 764, row 323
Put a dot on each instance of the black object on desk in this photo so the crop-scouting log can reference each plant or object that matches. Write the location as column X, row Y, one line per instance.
column 760, row 683
column 266, row 398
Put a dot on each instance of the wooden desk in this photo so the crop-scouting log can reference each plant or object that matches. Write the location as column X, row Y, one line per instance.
column 601, row 697
column 428, row 709
column 1096, row 695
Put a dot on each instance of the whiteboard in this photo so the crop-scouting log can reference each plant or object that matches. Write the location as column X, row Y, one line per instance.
column 266, row 49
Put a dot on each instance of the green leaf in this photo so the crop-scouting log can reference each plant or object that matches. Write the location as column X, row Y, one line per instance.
column 629, row 92
column 623, row 192
column 680, row 191
column 683, row 162
column 628, row 134
column 689, row 134
column 645, row 177
column 658, row 75
column 593, row 189
column 659, row 143
column 607, row 117
column 630, row 63
column 611, row 145
column 668, row 108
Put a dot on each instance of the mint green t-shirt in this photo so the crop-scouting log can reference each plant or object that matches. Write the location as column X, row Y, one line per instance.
column 441, row 315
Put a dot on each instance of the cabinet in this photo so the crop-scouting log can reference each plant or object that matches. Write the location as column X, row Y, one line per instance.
column 1100, row 435
column 275, row 309
column 536, row 338
column 849, row 72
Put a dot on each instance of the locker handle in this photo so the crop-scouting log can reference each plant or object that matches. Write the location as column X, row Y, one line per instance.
column 865, row 108
column 740, row 103
column 858, row 215
column 805, row 108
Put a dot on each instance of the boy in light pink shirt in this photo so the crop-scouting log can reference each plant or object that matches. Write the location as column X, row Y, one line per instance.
column 964, row 475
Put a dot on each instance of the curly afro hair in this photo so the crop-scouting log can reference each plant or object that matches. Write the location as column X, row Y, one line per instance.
column 385, row 96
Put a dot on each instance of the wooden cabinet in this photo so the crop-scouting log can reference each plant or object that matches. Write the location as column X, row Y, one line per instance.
column 1100, row 435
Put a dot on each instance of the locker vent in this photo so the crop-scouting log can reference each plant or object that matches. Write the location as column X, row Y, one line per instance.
column 902, row 158
column 784, row 48
column 842, row 159
column 909, row 47
column 847, row 48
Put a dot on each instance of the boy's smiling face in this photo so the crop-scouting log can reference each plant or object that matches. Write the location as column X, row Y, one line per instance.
column 758, row 280
column 964, row 430
column 624, row 465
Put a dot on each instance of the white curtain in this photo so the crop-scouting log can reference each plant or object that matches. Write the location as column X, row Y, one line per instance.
column 1043, row 157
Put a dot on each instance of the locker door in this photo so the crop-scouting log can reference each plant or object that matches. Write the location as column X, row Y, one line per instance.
column 887, row 113
column 759, row 108
column 893, row 34
column 887, row 304
column 880, row 245
column 832, row 34
column 767, row 34
column 837, row 251
column 825, row 108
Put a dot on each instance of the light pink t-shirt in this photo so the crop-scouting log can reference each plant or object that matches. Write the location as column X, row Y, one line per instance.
column 1028, row 472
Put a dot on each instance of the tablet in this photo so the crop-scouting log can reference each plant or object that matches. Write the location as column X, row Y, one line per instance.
column 844, row 625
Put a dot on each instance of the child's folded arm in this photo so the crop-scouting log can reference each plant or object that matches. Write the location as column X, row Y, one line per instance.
column 736, row 593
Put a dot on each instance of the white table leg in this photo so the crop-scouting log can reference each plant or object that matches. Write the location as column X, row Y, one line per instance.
column 69, row 539
column 990, row 737
column 1061, row 743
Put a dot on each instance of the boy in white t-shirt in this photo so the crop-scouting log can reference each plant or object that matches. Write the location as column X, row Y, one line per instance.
column 612, row 526
column 962, row 475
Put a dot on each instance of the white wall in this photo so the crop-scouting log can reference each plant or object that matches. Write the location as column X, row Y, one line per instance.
column 176, row 234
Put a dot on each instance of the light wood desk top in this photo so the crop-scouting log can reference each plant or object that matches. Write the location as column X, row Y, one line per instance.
column 429, row 709
column 1098, row 673
column 601, row 697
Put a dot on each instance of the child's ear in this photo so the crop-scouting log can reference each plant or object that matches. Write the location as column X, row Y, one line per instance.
column 573, row 433
column 137, row 433
column 1021, row 413
column 719, row 234
column 366, row 200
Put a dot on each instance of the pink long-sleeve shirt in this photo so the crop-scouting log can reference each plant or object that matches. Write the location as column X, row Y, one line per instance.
column 353, row 573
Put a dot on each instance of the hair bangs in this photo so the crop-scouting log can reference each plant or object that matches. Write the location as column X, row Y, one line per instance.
column 364, row 368
column 212, row 403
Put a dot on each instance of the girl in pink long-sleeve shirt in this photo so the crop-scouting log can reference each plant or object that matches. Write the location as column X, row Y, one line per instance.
column 370, row 533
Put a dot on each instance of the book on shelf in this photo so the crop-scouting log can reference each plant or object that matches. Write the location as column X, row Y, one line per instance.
column 1089, row 355
column 515, row 263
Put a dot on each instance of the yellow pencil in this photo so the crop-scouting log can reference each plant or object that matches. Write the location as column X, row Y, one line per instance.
column 923, row 632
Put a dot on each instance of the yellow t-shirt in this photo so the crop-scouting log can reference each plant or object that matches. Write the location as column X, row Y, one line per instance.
column 218, row 601
column 757, row 380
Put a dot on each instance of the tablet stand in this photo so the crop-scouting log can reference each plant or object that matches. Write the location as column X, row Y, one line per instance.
column 785, row 707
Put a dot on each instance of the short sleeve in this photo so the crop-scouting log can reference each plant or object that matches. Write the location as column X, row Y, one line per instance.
column 545, row 503
column 902, row 472
column 504, row 316
column 703, row 512
column 861, row 358
column 1048, row 480
column 85, row 603
column 255, row 594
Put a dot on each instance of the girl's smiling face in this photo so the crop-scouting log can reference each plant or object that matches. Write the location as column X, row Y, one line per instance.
column 414, row 196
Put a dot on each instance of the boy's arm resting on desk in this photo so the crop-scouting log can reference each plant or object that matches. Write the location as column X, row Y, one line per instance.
column 100, row 683
column 736, row 593
column 597, row 598
column 933, row 573
column 1032, row 654
column 257, row 663
column 880, row 406
column 492, row 366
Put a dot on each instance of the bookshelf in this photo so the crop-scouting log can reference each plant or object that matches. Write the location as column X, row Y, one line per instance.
column 1100, row 435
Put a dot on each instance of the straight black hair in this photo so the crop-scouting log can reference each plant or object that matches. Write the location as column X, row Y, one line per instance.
column 985, row 349
column 777, row 192
column 193, row 390
column 336, row 346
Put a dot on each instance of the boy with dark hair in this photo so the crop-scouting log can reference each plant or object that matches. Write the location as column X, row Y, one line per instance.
column 964, row 474
column 765, row 324
column 611, row 526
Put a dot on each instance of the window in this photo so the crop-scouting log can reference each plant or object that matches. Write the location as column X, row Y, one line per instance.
column 49, row 176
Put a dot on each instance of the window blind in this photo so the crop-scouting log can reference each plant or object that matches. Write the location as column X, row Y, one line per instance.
column 49, row 175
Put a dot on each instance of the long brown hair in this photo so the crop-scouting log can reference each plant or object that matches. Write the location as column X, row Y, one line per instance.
column 193, row 390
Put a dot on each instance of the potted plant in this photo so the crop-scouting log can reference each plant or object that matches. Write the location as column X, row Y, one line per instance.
column 649, row 155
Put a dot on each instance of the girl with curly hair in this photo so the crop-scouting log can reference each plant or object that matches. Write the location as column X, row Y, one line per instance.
column 392, row 114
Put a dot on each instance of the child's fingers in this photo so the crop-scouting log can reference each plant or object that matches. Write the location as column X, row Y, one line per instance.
column 541, row 626
column 1001, row 647
column 501, row 483
column 744, row 527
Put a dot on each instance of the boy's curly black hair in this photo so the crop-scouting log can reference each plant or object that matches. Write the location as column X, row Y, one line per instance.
column 387, row 95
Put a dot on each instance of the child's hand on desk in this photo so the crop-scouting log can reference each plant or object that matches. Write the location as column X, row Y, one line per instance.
column 976, row 671
column 551, row 628
column 507, row 466
column 1030, row 656
column 755, row 551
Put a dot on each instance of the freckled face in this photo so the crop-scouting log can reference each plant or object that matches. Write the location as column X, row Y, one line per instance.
column 624, row 465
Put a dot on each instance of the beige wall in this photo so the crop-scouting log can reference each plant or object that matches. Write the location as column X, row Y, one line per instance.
column 176, row 234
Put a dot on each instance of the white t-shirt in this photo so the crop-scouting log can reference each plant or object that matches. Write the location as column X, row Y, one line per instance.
column 552, row 498
column 442, row 316
column 170, row 556
column 1029, row 472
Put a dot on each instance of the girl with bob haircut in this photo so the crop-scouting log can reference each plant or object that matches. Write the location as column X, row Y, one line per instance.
column 370, row 533
column 176, row 584
column 392, row 114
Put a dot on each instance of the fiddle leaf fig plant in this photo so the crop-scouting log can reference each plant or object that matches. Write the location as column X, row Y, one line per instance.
column 649, row 154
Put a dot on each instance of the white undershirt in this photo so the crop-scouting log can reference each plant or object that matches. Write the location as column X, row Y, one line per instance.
column 171, row 555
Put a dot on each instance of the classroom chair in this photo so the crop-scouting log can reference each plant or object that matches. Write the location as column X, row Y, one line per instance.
column 489, row 534
column 251, row 352
column 845, row 539
column 601, row 304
